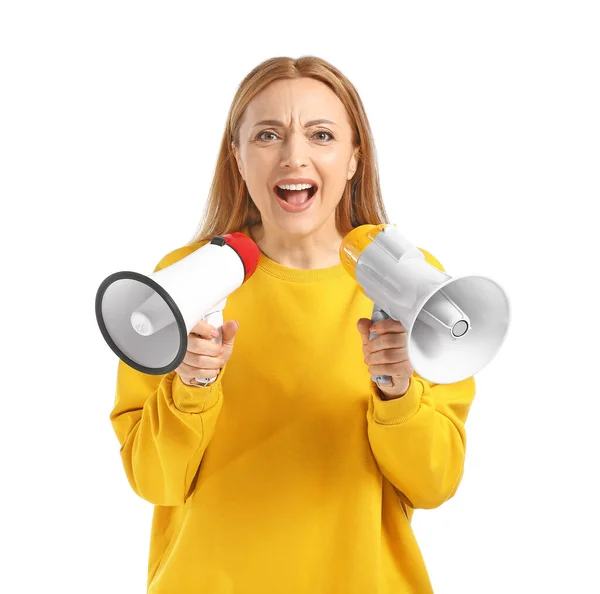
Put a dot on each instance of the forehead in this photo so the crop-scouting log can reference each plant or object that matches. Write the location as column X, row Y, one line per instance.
column 302, row 98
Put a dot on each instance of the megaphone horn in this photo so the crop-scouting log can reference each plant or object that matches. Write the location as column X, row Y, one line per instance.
column 146, row 319
column 455, row 326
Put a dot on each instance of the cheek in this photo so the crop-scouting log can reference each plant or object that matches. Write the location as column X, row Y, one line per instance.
column 331, row 158
column 333, row 166
column 253, row 170
column 255, row 166
column 335, row 184
column 259, row 168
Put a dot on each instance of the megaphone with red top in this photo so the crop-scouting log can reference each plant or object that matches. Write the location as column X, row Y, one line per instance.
column 146, row 319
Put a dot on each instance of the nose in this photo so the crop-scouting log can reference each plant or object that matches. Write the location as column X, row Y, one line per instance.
column 294, row 151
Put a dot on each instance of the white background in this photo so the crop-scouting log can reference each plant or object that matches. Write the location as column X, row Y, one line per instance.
column 486, row 120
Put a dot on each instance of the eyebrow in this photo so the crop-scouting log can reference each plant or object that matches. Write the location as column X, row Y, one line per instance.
column 307, row 125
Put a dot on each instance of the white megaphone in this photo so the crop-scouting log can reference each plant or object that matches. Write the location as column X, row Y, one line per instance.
column 146, row 320
column 455, row 326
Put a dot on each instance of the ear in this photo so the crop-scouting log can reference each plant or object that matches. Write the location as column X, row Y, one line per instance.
column 237, row 159
column 352, row 166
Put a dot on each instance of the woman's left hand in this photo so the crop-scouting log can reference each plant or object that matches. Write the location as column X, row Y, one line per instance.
column 387, row 354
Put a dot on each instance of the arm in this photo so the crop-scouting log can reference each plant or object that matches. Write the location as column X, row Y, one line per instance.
column 418, row 436
column 163, row 426
column 419, row 439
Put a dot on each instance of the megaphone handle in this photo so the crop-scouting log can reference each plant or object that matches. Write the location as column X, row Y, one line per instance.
column 378, row 315
column 214, row 318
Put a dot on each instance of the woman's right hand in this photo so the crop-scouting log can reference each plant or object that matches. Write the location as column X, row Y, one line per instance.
column 204, row 357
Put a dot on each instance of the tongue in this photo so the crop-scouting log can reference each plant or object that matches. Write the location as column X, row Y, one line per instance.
column 295, row 196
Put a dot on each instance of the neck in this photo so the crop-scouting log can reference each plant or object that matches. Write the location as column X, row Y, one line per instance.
column 319, row 249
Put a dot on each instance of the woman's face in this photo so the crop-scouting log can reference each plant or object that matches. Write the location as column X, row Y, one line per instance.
column 296, row 147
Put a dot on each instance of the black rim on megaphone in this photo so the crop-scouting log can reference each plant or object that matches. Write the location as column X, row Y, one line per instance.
column 126, row 274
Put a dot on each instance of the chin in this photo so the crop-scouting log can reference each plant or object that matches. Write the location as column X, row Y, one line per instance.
column 299, row 227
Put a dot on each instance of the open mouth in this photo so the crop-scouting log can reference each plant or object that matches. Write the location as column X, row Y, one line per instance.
column 295, row 196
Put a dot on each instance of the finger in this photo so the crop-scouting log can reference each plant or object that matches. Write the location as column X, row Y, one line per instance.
column 188, row 371
column 387, row 325
column 387, row 356
column 203, row 329
column 229, row 332
column 393, row 340
column 363, row 329
column 203, row 346
column 394, row 369
column 203, row 361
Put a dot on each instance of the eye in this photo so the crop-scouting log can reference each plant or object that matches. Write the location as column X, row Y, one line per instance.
column 265, row 132
column 325, row 132
column 260, row 135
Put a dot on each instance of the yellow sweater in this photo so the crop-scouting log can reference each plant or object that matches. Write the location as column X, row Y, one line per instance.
column 288, row 474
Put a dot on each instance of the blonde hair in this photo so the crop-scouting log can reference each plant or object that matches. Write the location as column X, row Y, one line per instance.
column 229, row 207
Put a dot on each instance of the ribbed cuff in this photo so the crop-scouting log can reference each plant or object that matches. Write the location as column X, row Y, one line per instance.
column 397, row 410
column 196, row 399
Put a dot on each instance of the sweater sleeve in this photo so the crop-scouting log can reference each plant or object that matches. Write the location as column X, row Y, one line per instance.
column 164, row 426
column 419, row 439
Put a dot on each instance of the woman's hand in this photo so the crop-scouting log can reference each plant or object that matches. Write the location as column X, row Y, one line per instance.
column 204, row 357
column 387, row 354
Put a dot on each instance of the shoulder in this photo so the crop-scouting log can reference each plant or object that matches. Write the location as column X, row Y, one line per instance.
column 179, row 254
column 430, row 259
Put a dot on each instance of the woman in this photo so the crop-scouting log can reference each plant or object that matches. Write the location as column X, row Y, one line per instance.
column 292, row 472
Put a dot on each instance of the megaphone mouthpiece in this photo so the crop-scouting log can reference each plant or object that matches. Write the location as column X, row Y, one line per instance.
column 460, row 329
column 440, row 310
column 152, row 315
column 141, row 324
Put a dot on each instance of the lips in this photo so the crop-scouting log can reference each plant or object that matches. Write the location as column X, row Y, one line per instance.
column 297, row 180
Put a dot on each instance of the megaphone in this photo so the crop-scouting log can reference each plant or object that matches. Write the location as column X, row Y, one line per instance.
column 455, row 326
column 146, row 319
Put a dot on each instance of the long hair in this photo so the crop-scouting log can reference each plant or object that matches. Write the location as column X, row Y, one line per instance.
column 229, row 206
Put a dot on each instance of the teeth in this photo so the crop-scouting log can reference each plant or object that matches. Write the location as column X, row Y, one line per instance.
column 295, row 186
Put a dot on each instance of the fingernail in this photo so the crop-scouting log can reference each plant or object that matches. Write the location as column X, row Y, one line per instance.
column 214, row 333
column 372, row 329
